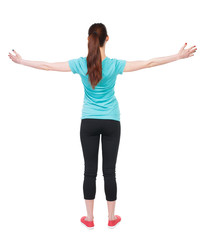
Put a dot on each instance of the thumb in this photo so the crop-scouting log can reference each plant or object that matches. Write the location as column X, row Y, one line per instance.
column 15, row 52
column 184, row 46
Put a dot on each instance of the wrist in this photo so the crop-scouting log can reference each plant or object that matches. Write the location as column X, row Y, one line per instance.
column 178, row 57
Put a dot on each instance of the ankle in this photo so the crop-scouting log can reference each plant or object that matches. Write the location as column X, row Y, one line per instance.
column 89, row 218
column 111, row 218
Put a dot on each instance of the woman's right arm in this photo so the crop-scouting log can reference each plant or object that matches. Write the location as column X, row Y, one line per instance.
column 137, row 65
column 56, row 66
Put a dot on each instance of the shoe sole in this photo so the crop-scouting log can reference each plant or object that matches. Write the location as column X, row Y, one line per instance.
column 90, row 228
column 111, row 227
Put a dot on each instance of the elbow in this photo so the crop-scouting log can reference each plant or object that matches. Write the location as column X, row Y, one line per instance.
column 46, row 66
column 149, row 63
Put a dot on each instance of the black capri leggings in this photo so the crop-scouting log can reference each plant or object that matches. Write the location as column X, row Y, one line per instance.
column 90, row 131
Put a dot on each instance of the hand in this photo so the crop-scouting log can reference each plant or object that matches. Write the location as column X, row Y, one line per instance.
column 15, row 58
column 185, row 53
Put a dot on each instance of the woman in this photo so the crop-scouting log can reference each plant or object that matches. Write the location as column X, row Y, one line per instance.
column 100, row 112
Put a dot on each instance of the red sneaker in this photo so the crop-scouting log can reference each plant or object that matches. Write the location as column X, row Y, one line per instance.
column 114, row 223
column 88, row 224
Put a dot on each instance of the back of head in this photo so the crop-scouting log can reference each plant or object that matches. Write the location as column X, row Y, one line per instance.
column 97, row 34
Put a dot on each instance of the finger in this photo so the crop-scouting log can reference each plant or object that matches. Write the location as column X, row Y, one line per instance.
column 193, row 50
column 191, row 47
column 191, row 55
column 10, row 54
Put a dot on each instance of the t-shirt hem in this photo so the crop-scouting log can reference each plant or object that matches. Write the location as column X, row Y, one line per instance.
column 102, row 117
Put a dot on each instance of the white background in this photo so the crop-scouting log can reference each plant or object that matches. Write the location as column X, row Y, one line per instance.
column 161, row 166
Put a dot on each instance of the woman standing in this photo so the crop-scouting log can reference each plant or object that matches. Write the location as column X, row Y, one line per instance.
column 100, row 112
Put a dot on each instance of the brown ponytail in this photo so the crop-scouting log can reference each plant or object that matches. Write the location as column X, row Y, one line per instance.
column 97, row 36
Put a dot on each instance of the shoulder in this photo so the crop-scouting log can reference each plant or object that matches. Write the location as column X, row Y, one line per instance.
column 116, row 61
column 119, row 65
column 80, row 59
column 77, row 64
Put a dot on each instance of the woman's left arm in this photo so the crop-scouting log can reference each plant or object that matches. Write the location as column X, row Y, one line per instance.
column 57, row 66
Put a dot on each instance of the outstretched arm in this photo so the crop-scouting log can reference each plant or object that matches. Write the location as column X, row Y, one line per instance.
column 137, row 65
column 57, row 66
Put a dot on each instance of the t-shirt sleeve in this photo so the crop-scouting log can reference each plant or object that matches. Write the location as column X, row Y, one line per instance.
column 74, row 65
column 120, row 65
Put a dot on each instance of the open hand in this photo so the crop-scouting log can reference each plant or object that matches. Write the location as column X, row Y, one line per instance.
column 15, row 58
column 185, row 53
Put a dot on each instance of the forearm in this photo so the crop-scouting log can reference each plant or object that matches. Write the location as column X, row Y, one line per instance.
column 163, row 60
column 36, row 64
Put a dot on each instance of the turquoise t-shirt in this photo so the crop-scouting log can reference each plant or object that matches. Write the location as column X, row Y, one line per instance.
column 100, row 102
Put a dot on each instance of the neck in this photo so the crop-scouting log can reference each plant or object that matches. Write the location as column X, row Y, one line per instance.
column 103, row 55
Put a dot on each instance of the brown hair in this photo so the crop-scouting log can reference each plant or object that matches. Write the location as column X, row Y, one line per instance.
column 97, row 34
